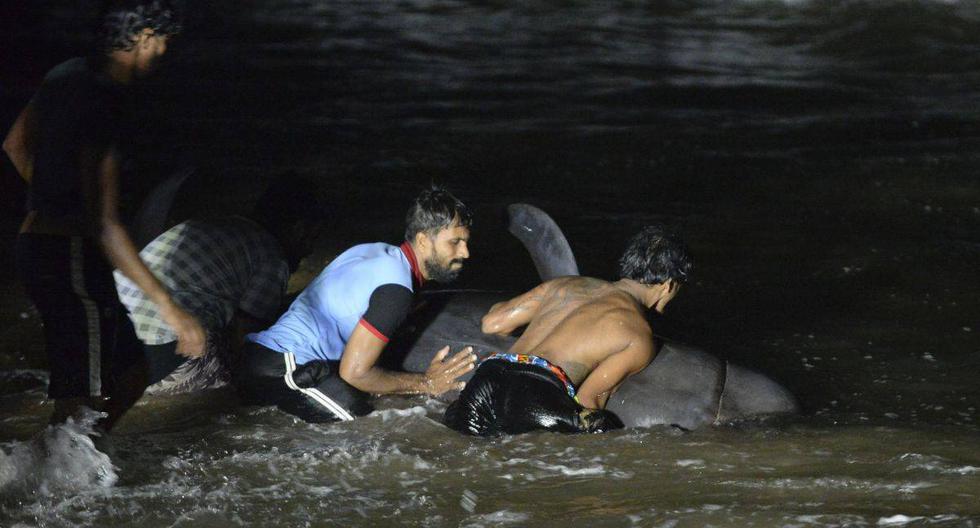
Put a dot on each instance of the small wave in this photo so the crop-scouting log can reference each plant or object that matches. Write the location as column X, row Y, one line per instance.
column 22, row 380
column 393, row 414
column 937, row 464
column 63, row 459
column 897, row 520
column 497, row 518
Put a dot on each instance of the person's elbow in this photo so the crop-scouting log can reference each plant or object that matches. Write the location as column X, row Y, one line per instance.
column 8, row 146
column 14, row 147
column 106, row 227
column 487, row 325
column 491, row 324
column 354, row 375
column 347, row 373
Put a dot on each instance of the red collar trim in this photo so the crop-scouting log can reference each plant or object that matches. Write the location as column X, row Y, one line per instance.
column 413, row 262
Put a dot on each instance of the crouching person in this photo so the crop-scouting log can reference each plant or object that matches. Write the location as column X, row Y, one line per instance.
column 319, row 360
column 231, row 273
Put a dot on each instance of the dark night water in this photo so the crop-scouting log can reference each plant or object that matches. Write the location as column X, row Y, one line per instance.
column 820, row 157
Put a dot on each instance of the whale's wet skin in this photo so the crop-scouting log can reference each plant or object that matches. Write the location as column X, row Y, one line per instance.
column 820, row 157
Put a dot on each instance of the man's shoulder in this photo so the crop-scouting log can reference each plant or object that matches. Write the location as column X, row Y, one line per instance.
column 619, row 314
column 75, row 66
column 233, row 235
column 370, row 264
column 577, row 283
column 374, row 255
column 70, row 80
column 229, row 225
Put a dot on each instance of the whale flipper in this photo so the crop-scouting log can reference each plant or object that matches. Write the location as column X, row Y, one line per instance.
column 543, row 240
column 151, row 218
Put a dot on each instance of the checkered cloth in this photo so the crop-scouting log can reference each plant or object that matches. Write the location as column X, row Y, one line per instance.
column 211, row 269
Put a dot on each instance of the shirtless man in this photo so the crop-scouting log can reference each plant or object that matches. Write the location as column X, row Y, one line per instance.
column 584, row 337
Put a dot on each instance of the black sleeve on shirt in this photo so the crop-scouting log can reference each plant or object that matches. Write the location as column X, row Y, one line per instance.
column 387, row 309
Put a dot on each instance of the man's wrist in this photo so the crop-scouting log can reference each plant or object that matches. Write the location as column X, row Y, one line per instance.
column 169, row 310
column 428, row 385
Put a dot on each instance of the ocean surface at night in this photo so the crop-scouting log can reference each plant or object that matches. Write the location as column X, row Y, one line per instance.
column 820, row 157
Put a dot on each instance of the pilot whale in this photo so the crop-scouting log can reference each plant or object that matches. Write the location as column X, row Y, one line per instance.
column 683, row 386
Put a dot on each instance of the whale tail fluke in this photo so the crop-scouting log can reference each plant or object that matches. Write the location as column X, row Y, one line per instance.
column 543, row 239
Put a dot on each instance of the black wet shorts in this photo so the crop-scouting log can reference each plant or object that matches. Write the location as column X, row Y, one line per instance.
column 312, row 391
column 511, row 398
column 89, row 340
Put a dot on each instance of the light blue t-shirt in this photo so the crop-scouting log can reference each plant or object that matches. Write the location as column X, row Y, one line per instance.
column 320, row 321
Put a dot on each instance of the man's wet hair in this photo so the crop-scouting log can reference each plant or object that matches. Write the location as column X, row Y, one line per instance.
column 289, row 198
column 655, row 255
column 435, row 208
column 123, row 20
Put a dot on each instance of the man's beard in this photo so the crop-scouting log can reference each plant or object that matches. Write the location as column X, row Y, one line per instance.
column 442, row 274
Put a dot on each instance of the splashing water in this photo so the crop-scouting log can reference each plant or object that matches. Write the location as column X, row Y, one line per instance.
column 60, row 460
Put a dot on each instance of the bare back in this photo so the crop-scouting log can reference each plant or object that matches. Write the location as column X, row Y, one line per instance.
column 582, row 324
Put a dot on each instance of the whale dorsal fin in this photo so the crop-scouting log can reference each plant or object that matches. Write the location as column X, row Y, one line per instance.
column 543, row 239
column 151, row 219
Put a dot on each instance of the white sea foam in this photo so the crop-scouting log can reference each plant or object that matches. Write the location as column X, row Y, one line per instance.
column 831, row 520
column 573, row 472
column 497, row 518
column 897, row 520
column 936, row 464
column 392, row 414
column 62, row 459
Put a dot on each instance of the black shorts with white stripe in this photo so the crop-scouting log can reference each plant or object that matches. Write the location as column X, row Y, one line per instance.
column 89, row 341
column 312, row 391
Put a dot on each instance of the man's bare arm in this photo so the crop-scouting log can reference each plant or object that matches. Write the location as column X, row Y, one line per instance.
column 358, row 366
column 102, row 198
column 612, row 371
column 20, row 141
column 507, row 316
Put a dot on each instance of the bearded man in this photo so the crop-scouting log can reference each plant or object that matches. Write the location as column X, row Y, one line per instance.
column 319, row 361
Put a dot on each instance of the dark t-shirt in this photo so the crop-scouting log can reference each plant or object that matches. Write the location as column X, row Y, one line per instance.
column 78, row 108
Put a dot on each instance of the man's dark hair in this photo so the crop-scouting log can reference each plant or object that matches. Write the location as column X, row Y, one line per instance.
column 655, row 255
column 434, row 209
column 123, row 20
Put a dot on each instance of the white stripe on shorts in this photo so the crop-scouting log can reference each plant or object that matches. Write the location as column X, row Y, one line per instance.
column 314, row 394
column 91, row 317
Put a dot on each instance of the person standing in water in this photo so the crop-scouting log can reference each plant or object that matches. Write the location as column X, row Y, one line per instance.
column 66, row 144
column 584, row 337
column 320, row 360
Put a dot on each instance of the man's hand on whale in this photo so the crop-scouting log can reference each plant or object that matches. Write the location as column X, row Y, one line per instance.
column 443, row 375
column 358, row 366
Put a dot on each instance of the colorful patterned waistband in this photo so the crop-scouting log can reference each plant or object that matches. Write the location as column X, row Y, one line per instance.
column 528, row 359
